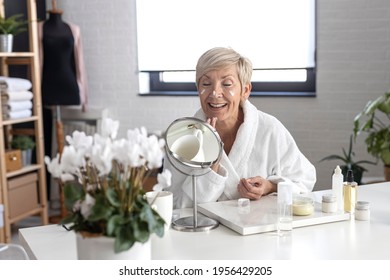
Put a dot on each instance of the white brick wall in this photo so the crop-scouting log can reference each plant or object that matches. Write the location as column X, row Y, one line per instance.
column 353, row 53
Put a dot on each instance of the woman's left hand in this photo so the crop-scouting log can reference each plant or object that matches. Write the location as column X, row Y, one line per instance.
column 255, row 187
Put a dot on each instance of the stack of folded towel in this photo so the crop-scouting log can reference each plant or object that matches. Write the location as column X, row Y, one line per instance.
column 16, row 98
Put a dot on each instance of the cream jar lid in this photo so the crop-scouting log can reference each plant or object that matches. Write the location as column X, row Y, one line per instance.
column 329, row 198
column 362, row 205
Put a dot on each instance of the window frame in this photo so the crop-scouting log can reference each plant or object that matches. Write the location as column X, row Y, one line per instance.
column 157, row 87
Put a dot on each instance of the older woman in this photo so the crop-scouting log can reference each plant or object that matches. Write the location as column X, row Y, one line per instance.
column 259, row 151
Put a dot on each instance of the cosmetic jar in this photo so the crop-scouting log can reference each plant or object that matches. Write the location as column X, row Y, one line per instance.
column 362, row 211
column 329, row 203
column 303, row 205
column 244, row 206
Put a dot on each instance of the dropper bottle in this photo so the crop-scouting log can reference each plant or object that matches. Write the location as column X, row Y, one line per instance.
column 350, row 193
column 337, row 187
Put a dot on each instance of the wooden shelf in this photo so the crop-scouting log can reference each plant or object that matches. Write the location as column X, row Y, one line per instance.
column 25, row 187
column 16, row 54
column 22, row 120
column 24, row 170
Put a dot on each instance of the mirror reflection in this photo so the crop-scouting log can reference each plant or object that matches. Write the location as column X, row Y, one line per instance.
column 193, row 141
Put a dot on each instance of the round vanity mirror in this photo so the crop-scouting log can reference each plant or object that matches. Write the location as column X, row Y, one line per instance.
column 192, row 147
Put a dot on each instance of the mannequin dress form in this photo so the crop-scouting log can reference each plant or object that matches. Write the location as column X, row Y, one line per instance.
column 59, row 77
column 63, row 77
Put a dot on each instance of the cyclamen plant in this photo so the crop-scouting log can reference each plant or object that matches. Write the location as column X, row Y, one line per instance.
column 103, row 183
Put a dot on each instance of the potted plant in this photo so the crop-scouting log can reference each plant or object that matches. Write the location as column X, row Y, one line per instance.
column 349, row 164
column 26, row 144
column 373, row 122
column 9, row 27
column 103, row 186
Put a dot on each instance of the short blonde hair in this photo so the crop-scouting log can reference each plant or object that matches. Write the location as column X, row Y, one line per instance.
column 220, row 58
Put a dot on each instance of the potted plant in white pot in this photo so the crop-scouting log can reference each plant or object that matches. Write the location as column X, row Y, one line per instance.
column 26, row 144
column 9, row 27
column 103, row 189
column 374, row 123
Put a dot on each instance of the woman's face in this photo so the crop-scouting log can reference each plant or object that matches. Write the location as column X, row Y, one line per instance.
column 220, row 94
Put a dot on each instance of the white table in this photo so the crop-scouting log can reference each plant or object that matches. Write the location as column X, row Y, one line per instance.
column 339, row 240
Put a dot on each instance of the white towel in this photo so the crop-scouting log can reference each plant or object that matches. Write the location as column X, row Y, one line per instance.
column 18, row 105
column 16, row 95
column 15, row 84
column 17, row 114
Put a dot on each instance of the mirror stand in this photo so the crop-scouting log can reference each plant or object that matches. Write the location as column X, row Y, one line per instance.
column 195, row 223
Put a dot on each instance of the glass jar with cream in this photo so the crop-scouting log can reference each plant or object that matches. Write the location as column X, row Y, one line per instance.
column 303, row 205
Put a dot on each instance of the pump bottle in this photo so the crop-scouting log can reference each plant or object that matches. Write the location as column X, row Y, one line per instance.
column 350, row 193
column 337, row 187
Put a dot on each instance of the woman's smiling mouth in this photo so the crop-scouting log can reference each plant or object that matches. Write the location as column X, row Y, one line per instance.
column 217, row 105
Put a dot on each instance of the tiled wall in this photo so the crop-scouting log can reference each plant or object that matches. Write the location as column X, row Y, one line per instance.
column 353, row 55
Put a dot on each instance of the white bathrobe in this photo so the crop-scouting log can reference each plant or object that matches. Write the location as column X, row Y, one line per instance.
column 263, row 147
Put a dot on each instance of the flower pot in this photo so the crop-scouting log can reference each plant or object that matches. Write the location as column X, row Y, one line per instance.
column 387, row 172
column 26, row 157
column 6, row 42
column 102, row 248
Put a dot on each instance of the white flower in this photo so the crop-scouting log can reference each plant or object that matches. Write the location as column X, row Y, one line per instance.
column 152, row 151
column 80, row 141
column 110, row 128
column 86, row 205
column 119, row 151
column 164, row 180
column 101, row 158
column 53, row 166
column 72, row 160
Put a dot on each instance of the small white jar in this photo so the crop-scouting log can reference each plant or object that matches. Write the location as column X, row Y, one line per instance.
column 362, row 211
column 329, row 203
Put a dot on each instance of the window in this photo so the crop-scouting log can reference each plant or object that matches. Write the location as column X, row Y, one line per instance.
column 278, row 36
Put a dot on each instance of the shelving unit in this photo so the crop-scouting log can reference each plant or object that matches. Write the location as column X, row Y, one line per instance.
column 35, row 203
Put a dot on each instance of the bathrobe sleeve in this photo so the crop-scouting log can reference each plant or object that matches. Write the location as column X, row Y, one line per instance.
column 209, row 186
column 285, row 162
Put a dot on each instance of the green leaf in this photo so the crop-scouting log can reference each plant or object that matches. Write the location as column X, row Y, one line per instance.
column 100, row 210
column 140, row 230
column 155, row 222
column 335, row 157
column 124, row 239
column 373, row 105
column 113, row 224
column 385, row 105
column 72, row 193
column 13, row 24
column 386, row 156
column 113, row 197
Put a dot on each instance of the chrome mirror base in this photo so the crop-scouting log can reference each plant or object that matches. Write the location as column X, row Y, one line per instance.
column 187, row 224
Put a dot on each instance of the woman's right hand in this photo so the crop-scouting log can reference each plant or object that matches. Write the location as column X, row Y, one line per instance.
column 212, row 121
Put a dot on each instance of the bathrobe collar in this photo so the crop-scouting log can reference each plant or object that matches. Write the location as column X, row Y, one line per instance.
column 236, row 162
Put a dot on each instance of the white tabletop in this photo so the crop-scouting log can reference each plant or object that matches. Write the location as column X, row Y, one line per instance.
column 350, row 239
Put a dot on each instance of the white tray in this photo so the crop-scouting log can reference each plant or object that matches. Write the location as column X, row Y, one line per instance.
column 262, row 216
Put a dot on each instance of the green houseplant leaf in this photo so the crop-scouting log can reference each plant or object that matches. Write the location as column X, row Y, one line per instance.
column 347, row 159
column 373, row 122
column 22, row 142
column 13, row 25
